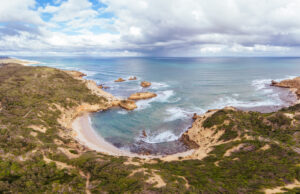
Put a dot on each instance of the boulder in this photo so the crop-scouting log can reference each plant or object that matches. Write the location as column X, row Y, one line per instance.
column 132, row 78
column 128, row 104
column 145, row 84
column 142, row 95
column 120, row 80
column 195, row 116
column 274, row 83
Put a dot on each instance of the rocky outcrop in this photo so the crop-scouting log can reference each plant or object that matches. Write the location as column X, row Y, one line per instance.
column 188, row 142
column 145, row 84
column 195, row 116
column 202, row 139
column 101, row 86
column 132, row 78
column 274, row 83
column 293, row 84
column 128, row 104
column 142, row 95
column 120, row 80
column 96, row 90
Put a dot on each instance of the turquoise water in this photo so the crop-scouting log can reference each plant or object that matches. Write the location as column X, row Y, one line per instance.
column 184, row 86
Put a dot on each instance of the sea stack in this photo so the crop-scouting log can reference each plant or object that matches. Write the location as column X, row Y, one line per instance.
column 145, row 84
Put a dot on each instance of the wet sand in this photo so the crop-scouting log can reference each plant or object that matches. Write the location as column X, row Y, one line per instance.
column 86, row 135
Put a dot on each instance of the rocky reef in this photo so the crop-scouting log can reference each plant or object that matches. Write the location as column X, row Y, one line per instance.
column 142, row 95
column 128, row 104
column 293, row 84
column 120, row 80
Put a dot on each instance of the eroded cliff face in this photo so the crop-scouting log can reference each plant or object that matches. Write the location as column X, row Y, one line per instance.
column 203, row 137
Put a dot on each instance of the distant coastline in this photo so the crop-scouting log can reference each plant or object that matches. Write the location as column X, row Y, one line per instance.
column 25, row 62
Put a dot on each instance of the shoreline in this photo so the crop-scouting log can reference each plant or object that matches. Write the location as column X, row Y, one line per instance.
column 83, row 132
column 18, row 61
column 86, row 135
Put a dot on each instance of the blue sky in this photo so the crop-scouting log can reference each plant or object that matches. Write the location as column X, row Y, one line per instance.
column 150, row 27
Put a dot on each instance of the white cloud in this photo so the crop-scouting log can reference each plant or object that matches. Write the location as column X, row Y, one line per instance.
column 154, row 27
column 70, row 10
column 18, row 11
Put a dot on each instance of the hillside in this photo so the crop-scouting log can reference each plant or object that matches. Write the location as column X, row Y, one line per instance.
column 235, row 151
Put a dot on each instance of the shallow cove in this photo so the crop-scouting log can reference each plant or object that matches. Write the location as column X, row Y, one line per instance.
column 184, row 86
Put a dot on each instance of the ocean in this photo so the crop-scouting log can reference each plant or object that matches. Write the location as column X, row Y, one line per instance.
column 184, row 86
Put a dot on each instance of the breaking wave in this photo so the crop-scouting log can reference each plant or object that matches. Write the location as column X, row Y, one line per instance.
column 165, row 136
column 176, row 113
column 162, row 96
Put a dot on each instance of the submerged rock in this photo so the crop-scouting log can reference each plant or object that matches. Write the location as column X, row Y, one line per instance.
column 145, row 84
column 128, row 104
column 132, row 78
column 120, row 80
column 142, row 95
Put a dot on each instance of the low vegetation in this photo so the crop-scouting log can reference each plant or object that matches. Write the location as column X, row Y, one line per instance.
column 36, row 158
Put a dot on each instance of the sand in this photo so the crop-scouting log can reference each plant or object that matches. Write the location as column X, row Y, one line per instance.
column 86, row 135
column 18, row 61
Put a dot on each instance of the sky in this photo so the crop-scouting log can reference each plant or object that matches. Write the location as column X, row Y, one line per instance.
column 171, row 28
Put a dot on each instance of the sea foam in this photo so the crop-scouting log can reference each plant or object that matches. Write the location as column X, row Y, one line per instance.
column 165, row 136
column 176, row 113
column 158, row 85
column 162, row 96
column 230, row 101
column 261, row 84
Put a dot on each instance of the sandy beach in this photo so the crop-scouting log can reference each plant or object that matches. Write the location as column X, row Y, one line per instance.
column 18, row 61
column 86, row 135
